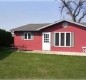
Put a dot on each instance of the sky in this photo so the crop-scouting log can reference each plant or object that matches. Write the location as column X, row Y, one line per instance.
column 15, row 13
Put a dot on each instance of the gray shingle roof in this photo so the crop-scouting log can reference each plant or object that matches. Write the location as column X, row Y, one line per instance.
column 30, row 27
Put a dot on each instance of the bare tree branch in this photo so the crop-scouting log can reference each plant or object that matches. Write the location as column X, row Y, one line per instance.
column 77, row 12
column 62, row 9
column 77, row 7
column 66, row 5
column 84, row 14
column 74, row 9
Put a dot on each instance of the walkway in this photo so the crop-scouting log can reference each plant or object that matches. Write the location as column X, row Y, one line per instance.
column 58, row 53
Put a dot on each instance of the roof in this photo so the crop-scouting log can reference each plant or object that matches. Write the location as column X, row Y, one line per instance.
column 37, row 27
column 29, row 27
column 83, row 23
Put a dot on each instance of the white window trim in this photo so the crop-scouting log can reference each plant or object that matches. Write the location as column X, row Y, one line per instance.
column 64, row 39
column 27, row 36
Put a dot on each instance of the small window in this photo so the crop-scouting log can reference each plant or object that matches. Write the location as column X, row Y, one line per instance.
column 25, row 36
column 65, row 24
column 46, row 38
column 28, row 36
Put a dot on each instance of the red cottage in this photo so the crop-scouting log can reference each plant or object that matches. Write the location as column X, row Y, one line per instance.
column 58, row 36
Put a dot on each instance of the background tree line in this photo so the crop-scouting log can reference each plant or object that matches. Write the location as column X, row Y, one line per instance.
column 5, row 38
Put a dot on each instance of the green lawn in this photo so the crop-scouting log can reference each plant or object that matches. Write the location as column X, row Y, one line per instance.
column 20, row 65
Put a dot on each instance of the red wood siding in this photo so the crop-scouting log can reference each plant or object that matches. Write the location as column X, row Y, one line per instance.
column 36, row 44
column 79, row 36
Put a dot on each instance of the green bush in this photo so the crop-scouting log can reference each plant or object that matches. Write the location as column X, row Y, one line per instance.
column 5, row 38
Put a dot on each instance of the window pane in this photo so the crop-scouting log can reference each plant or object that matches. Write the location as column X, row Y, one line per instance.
column 25, row 36
column 44, row 35
column 57, row 39
column 46, row 38
column 29, row 35
column 47, row 35
column 67, row 39
column 62, row 39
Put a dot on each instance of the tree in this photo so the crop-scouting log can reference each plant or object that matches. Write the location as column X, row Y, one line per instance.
column 76, row 9
column 5, row 38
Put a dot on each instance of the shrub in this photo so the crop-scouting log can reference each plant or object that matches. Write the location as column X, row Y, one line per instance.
column 5, row 38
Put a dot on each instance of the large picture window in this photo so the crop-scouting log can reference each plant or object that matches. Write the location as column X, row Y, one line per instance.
column 64, row 39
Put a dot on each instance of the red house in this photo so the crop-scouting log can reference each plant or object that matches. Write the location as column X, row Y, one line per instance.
column 58, row 36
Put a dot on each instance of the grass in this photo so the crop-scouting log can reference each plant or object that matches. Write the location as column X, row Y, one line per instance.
column 20, row 65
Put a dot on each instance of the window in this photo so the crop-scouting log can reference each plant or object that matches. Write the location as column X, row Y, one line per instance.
column 64, row 24
column 68, row 39
column 57, row 39
column 64, row 39
column 46, row 38
column 28, row 36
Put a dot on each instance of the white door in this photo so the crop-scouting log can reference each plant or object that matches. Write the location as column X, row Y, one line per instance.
column 46, row 39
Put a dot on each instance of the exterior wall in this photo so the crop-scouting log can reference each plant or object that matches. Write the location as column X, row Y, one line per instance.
column 36, row 44
column 79, row 36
